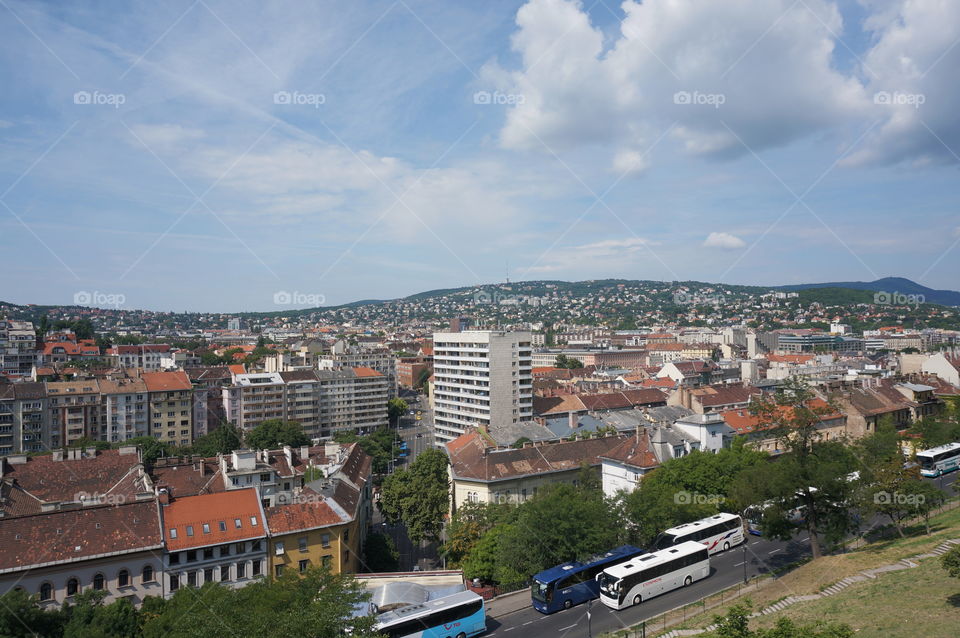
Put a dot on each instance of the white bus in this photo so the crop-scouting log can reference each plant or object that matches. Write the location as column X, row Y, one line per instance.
column 719, row 533
column 939, row 460
column 650, row 575
column 459, row 615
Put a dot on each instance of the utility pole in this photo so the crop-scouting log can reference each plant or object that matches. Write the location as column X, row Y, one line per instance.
column 589, row 623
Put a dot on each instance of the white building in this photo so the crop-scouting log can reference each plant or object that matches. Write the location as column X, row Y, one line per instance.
column 481, row 377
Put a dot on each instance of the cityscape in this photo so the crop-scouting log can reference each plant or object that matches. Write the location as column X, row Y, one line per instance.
column 426, row 319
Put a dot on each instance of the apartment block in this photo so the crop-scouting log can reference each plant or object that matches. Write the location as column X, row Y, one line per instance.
column 23, row 418
column 123, row 410
column 18, row 347
column 170, row 406
column 482, row 377
column 73, row 408
column 147, row 356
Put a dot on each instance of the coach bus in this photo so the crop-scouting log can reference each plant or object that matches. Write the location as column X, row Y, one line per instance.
column 653, row 574
column 939, row 460
column 570, row 584
column 459, row 615
column 719, row 533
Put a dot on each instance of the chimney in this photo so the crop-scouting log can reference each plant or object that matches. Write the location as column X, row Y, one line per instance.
column 163, row 497
column 203, row 468
column 58, row 455
column 572, row 420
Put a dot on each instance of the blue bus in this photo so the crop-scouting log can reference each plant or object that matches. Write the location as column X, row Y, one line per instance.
column 459, row 615
column 570, row 584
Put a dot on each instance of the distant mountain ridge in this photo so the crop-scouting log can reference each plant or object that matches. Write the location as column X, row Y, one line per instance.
column 889, row 285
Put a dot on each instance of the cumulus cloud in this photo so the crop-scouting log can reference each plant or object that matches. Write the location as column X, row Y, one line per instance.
column 732, row 76
column 724, row 241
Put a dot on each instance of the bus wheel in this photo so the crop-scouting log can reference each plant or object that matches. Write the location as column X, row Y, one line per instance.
column 726, row 546
column 567, row 604
column 687, row 581
column 461, row 635
column 636, row 599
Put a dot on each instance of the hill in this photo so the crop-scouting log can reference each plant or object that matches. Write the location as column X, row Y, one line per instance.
column 889, row 285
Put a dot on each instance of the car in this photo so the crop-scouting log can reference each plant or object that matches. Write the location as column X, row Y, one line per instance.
column 419, row 436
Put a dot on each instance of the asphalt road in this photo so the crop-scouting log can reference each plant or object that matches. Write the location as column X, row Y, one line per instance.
column 726, row 569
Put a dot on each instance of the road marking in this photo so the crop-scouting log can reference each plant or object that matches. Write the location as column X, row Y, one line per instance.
column 529, row 622
column 566, row 628
column 509, row 629
column 738, row 564
column 775, row 551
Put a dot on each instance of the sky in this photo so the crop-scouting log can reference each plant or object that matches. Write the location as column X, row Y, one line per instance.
column 204, row 155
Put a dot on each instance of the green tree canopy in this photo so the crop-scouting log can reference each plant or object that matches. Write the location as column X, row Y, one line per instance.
column 150, row 448
column 396, row 408
column 223, row 440
column 275, row 433
column 419, row 496
column 380, row 554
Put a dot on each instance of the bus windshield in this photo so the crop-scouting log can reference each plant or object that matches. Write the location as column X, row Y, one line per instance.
column 926, row 462
column 540, row 591
column 664, row 541
column 609, row 584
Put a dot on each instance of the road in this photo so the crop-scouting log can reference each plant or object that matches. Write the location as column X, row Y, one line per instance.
column 758, row 555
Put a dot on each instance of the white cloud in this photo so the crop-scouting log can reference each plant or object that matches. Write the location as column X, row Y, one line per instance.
column 724, row 241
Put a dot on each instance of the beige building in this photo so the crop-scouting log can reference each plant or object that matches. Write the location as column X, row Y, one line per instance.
column 170, row 398
column 483, row 473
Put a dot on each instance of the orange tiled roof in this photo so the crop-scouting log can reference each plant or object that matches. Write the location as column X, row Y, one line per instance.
column 363, row 371
column 166, row 381
column 297, row 517
column 229, row 508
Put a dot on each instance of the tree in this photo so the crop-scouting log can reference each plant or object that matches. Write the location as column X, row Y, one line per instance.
column 563, row 361
column 468, row 526
column 951, row 562
column 22, row 617
column 275, row 433
column 561, row 523
column 90, row 618
column 422, row 378
column 380, row 554
column 396, row 408
column 223, row 440
column 419, row 496
column 736, row 624
column 150, row 448
column 656, row 506
column 812, row 473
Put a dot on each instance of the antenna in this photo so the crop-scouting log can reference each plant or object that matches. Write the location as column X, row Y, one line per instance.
column 508, row 270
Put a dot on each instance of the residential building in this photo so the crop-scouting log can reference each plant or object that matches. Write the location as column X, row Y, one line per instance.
column 124, row 410
column 624, row 466
column 254, row 398
column 24, row 419
column 147, row 356
column 170, row 396
column 410, row 370
column 73, row 409
column 713, row 398
column 830, row 425
column 116, row 549
column 311, row 531
column 219, row 538
column 480, row 473
column 481, row 377
column 18, row 348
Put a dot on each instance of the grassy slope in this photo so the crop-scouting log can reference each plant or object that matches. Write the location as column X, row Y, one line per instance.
column 894, row 605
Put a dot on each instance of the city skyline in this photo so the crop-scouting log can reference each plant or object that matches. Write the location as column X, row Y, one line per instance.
column 205, row 156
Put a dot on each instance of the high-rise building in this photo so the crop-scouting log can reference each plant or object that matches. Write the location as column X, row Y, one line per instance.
column 481, row 377
column 18, row 347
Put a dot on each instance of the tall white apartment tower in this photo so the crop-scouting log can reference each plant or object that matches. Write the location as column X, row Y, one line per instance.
column 481, row 377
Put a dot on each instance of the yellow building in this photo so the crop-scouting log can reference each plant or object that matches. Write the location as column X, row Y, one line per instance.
column 312, row 532
column 170, row 406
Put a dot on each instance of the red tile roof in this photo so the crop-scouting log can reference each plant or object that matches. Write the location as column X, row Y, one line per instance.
column 634, row 451
column 212, row 509
column 363, row 371
column 296, row 517
column 166, row 381
column 71, row 535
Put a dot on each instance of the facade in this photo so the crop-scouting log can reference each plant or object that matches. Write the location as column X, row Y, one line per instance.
column 18, row 348
column 170, row 408
column 624, row 466
column 480, row 378
column 412, row 369
column 311, row 532
column 73, row 409
column 114, row 548
column 123, row 410
column 220, row 538
column 24, row 419
column 146, row 356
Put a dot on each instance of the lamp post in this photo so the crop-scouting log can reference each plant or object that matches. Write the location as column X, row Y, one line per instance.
column 745, row 561
column 589, row 623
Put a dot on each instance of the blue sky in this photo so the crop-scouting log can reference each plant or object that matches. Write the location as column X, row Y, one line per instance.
column 208, row 155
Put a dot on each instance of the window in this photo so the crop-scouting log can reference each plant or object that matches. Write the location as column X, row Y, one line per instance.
column 302, row 543
column 224, row 573
column 264, row 478
column 206, row 528
column 98, row 581
column 191, row 555
column 241, row 570
column 189, row 530
column 278, row 570
column 173, row 532
column 147, row 574
column 325, row 540
column 208, row 575
column 303, row 565
column 225, row 550
column 208, row 553
column 123, row 578
column 240, row 548
column 237, row 523
column 174, row 582
column 253, row 521
column 346, row 535
column 46, row 591
column 223, row 526
column 327, row 559
column 73, row 586
column 192, row 578
column 257, row 567
column 255, row 546
column 174, row 559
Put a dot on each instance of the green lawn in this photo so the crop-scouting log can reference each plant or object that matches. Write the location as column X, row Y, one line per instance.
column 920, row 602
